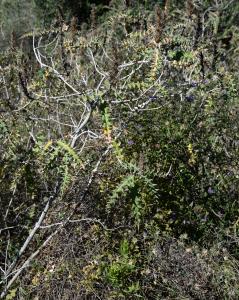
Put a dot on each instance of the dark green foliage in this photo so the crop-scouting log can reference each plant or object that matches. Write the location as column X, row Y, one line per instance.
column 69, row 8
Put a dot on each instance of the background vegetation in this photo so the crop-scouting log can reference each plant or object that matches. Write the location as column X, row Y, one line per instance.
column 119, row 150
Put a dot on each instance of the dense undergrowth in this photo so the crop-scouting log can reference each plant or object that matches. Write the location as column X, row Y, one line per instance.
column 119, row 156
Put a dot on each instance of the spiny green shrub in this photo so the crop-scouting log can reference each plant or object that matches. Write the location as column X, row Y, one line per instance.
column 132, row 126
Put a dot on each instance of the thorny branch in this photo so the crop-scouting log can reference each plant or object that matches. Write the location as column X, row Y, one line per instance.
column 37, row 226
